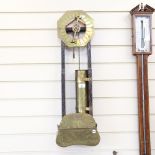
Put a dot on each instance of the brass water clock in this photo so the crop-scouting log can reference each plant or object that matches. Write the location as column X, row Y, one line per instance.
column 75, row 29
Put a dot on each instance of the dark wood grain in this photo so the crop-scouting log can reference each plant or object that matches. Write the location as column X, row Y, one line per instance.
column 142, row 79
column 147, row 112
column 144, row 124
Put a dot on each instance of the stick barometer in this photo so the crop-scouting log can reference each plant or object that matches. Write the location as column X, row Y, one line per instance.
column 142, row 48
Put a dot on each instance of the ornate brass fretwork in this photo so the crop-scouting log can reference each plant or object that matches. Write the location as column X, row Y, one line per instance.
column 75, row 22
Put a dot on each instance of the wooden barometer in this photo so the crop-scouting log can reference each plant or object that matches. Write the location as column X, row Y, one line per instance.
column 142, row 48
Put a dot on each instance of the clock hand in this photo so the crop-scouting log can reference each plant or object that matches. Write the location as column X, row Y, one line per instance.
column 76, row 28
column 79, row 54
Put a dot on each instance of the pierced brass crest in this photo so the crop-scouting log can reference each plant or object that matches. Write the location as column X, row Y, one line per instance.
column 75, row 28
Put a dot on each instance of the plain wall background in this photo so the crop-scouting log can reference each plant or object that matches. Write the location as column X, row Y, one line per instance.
column 30, row 94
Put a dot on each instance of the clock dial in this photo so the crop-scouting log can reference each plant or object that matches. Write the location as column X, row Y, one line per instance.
column 75, row 21
column 142, row 33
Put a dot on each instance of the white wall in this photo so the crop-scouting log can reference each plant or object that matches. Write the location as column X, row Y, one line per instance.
column 30, row 95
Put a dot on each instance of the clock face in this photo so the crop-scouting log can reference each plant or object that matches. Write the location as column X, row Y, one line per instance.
column 75, row 21
column 143, row 36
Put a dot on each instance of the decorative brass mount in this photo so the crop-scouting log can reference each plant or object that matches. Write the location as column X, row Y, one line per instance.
column 75, row 22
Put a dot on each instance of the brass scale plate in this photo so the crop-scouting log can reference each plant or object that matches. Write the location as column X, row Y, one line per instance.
column 79, row 17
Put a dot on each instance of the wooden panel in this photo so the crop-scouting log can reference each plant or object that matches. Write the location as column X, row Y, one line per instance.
column 44, row 107
column 115, row 89
column 152, row 105
column 42, row 72
column 119, row 106
column 115, row 106
column 121, row 20
column 52, row 89
column 43, row 142
column 13, row 55
column 49, row 37
column 100, row 54
column 29, row 110
column 30, row 90
column 50, row 72
column 119, row 71
column 114, row 71
column 49, row 20
column 152, row 126
column 30, row 72
column 119, row 123
column 29, row 20
column 106, row 54
column 47, row 5
column 32, row 125
column 30, row 107
column 48, row 124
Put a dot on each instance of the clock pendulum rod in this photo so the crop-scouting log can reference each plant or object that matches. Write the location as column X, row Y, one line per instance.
column 79, row 55
column 143, row 104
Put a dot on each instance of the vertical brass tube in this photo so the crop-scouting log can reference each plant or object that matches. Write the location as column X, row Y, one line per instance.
column 81, row 90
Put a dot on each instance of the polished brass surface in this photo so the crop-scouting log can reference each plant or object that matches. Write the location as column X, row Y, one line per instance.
column 81, row 90
column 75, row 20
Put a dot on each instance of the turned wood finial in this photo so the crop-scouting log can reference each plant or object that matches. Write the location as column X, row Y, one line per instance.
column 141, row 7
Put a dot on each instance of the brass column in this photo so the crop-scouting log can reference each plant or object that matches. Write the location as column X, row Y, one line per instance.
column 81, row 79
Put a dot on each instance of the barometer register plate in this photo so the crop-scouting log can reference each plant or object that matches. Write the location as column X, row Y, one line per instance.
column 143, row 33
